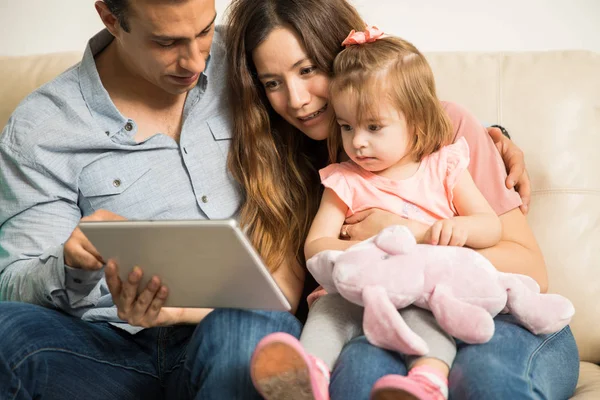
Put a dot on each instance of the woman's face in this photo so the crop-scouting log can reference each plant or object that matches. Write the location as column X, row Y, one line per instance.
column 296, row 89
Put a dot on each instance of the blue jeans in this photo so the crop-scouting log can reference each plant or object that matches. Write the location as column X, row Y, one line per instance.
column 514, row 364
column 49, row 355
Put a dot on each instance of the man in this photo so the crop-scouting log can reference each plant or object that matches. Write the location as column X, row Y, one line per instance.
column 140, row 127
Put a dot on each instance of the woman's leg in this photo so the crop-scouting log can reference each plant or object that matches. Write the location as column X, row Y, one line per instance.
column 50, row 355
column 359, row 366
column 216, row 363
column 515, row 364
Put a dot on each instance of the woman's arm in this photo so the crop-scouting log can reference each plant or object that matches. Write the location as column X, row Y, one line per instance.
column 325, row 230
column 290, row 279
column 518, row 251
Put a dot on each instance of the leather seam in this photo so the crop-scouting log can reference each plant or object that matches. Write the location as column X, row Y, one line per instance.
column 550, row 192
column 499, row 63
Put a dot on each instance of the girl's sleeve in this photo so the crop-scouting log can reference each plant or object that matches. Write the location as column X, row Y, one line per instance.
column 457, row 160
column 334, row 177
column 486, row 165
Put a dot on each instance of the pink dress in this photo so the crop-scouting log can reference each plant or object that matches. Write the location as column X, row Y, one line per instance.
column 425, row 197
column 486, row 168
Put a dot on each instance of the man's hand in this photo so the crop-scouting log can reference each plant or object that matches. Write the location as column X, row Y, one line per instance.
column 514, row 160
column 79, row 251
column 446, row 232
column 144, row 309
column 365, row 224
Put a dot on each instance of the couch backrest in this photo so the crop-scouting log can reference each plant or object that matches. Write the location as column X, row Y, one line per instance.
column 550, row 102
column 19, row 76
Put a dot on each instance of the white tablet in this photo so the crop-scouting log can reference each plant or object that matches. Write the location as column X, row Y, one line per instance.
column 206, row 263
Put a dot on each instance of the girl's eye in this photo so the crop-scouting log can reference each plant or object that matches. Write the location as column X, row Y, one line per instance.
column 345, row 128
column 307, row 70
column 374, row 128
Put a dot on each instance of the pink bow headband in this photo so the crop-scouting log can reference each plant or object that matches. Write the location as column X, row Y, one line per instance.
column 371, row 34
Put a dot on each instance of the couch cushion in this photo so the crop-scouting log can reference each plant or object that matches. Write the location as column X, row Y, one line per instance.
column 550, row 103
column 19, row 76
column 588, row 386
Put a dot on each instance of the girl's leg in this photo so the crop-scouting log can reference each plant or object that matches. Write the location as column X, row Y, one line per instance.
column 332, row 322
column 515, row 364
column 428, row 375
column 283, row 366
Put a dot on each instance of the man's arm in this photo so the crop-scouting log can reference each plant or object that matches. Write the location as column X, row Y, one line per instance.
column 37, row 215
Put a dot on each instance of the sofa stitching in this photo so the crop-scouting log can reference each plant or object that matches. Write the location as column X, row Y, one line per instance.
column 499, row 88
column 550, row 192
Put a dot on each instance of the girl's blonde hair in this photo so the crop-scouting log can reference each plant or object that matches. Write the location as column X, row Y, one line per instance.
column 391, row 70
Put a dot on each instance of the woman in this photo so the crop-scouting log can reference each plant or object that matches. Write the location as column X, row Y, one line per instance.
column 281, row 54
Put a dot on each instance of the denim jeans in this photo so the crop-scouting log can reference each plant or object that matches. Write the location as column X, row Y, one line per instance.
column 48, row 355
column 514, row 364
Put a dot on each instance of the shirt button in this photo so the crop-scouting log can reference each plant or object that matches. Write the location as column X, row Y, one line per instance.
column 117, row 183
column 204, row 199
column 77, row 280
column 128, row 126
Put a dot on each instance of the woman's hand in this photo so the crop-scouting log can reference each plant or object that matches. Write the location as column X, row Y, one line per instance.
column 514, row 159
column 365, row 224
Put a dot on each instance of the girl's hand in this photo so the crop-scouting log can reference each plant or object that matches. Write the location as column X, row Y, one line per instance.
column 514, row 159
column 368, row 223
column 446, row 232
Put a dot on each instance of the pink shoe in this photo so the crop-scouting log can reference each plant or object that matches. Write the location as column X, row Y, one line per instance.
column 422, row 383
column 282, row 370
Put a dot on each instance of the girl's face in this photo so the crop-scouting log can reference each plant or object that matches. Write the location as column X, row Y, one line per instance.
column 296, row 89
column 377, row 144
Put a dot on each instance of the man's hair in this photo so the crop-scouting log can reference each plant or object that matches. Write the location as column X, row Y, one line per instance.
column 392, row 70
column 118, row 8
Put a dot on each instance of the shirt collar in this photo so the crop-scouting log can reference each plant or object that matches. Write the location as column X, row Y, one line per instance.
column 99, row 103
column 95, row 95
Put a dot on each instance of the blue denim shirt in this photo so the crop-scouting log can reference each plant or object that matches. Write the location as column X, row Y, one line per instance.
column 67, row 151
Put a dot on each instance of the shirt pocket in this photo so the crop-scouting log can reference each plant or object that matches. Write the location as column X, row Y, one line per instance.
column 123, row 184
column 221, row 129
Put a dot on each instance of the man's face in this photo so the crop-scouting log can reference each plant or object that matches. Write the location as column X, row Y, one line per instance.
column 168, row 41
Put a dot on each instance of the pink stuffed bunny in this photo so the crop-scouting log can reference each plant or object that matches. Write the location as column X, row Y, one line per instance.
column 461, row 288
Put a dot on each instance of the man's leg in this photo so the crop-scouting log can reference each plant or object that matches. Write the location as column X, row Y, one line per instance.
column 358, row 368
column 217, row 360
column 516, row 364
column 47, row 354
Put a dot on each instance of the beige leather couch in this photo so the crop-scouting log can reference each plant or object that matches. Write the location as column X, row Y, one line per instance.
column 550, row 102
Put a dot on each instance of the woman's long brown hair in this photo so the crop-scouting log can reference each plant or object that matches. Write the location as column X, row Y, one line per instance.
column 275, row 163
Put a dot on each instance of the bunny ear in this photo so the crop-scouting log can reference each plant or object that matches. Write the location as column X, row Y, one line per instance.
column 396, row 239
